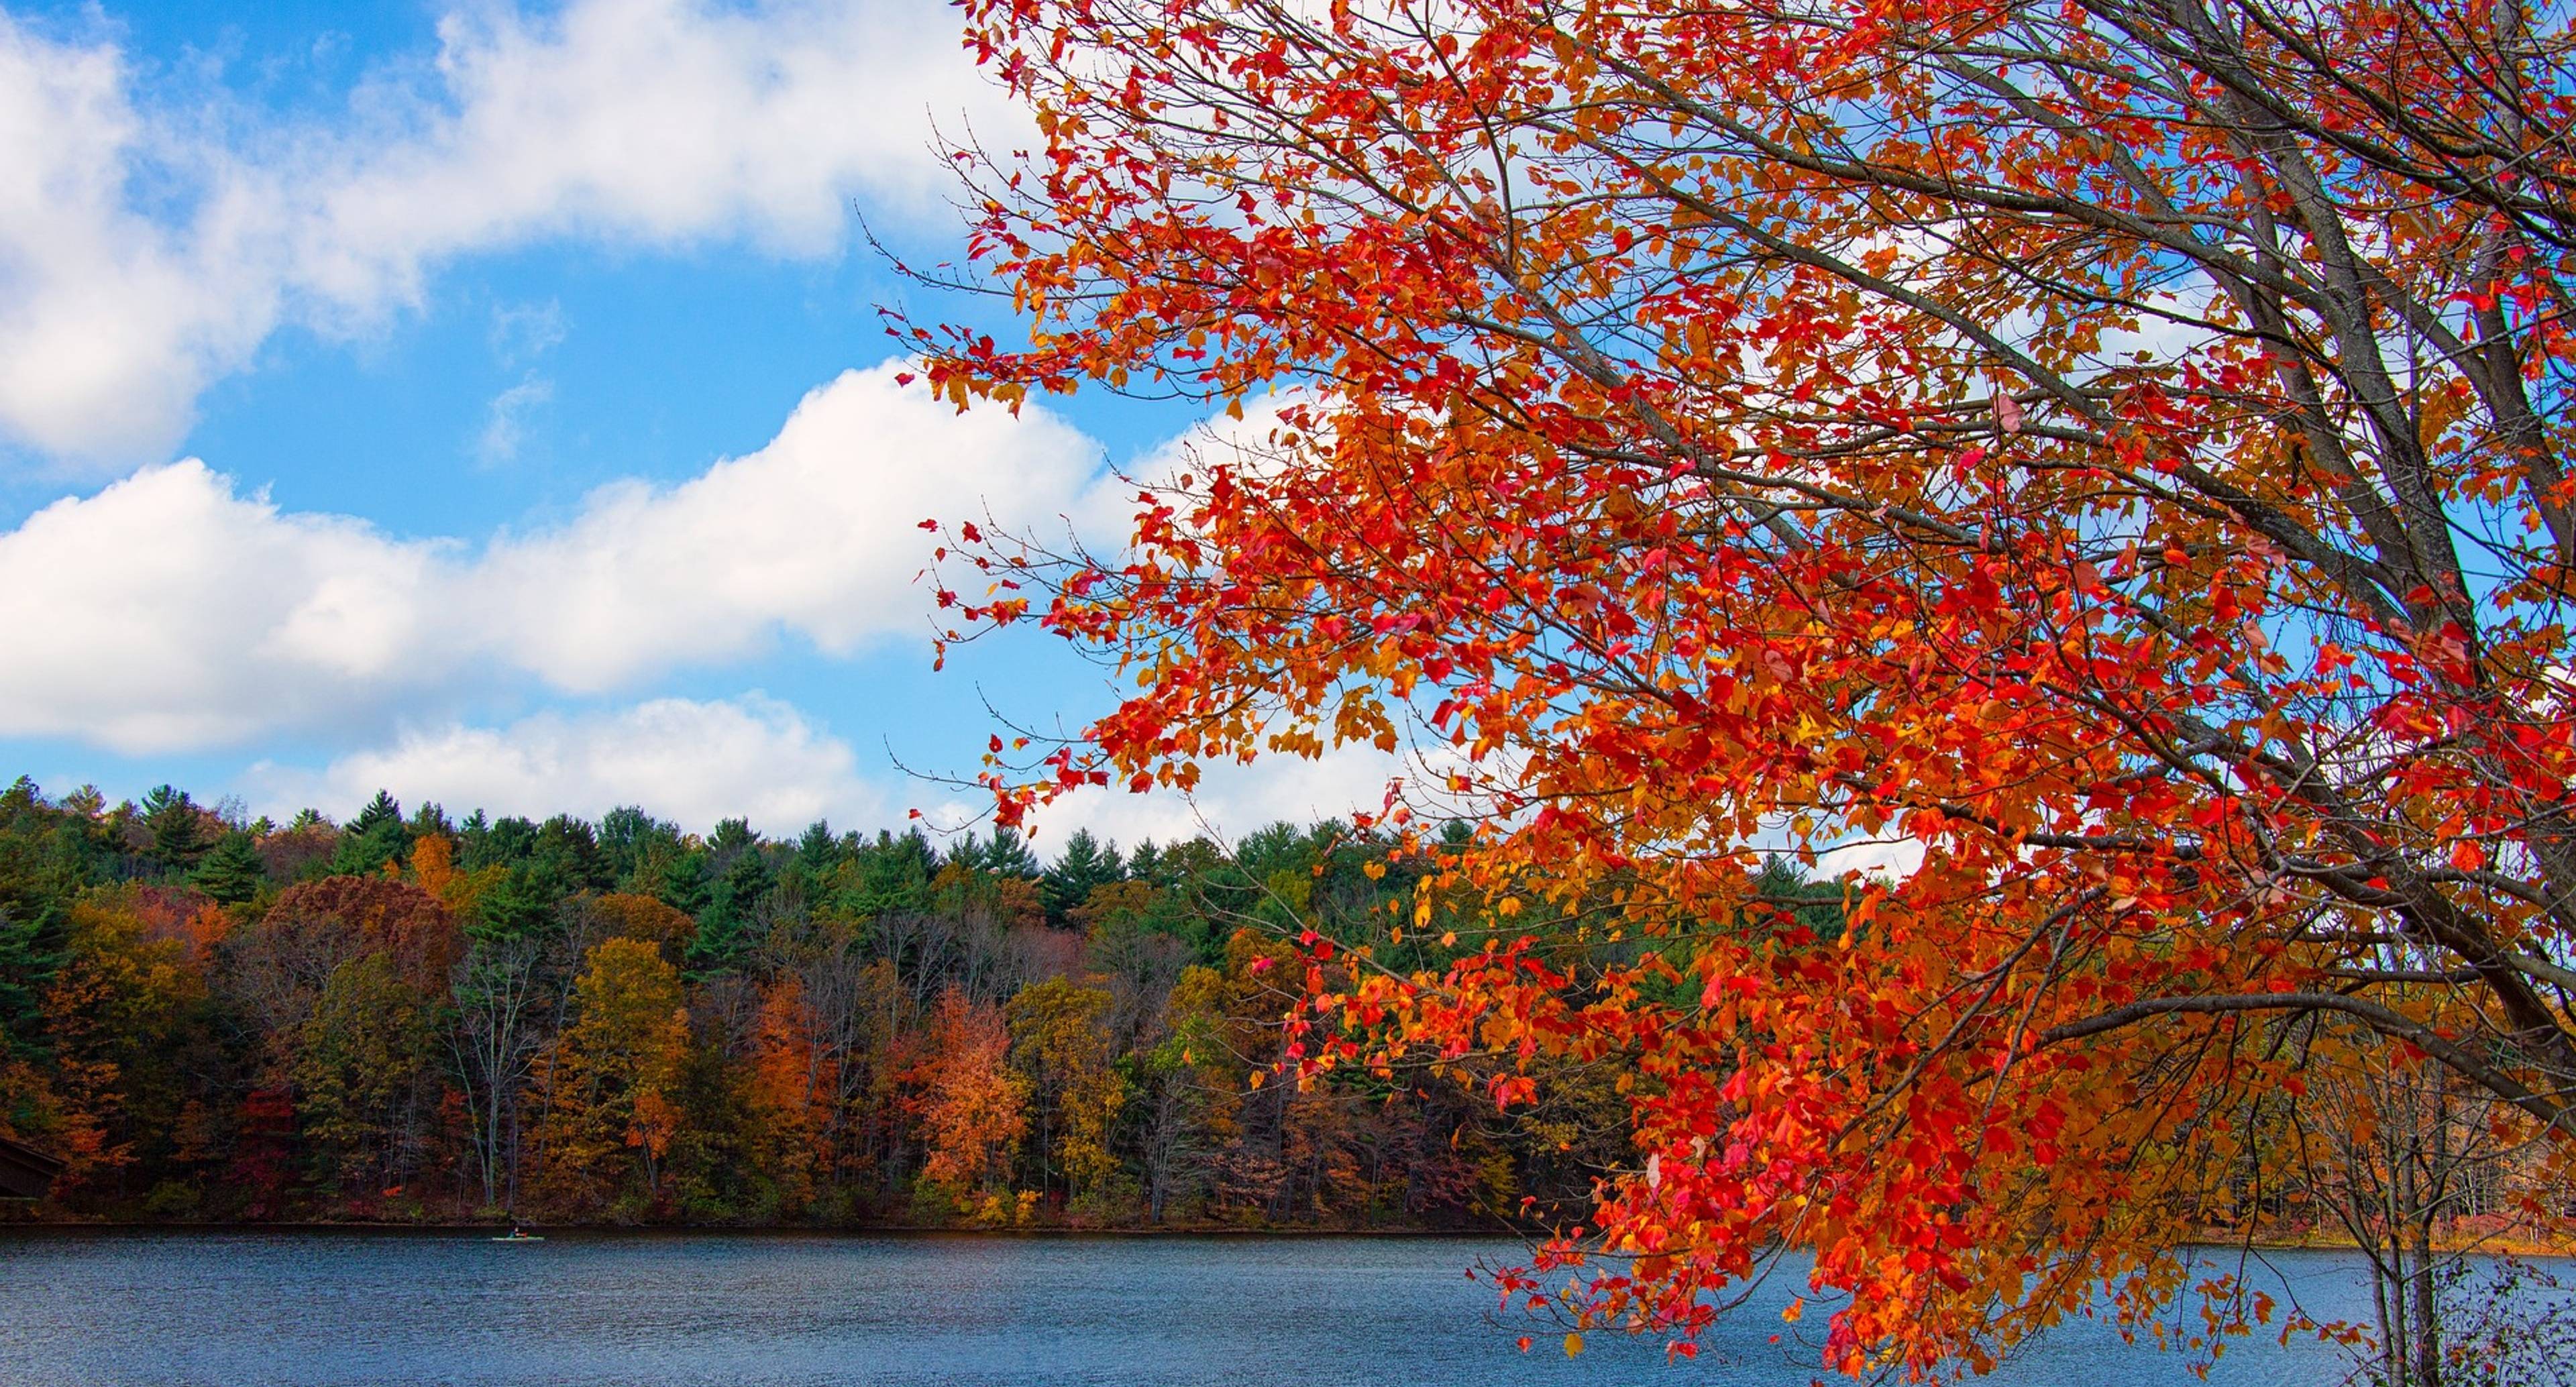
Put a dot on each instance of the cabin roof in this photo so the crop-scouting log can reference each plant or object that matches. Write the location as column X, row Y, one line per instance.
column 25, row 1172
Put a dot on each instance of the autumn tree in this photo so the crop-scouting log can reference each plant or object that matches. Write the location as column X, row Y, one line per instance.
column 624, row 915
column 615, row 1072
column 1060, row 1043
column 792, row 1088
column 973, row 1105
column 121, row 1016
column 279, row 964
column 2099, row 464
column 365, row 1076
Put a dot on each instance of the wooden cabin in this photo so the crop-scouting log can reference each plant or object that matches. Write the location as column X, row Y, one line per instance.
column 25, row 1172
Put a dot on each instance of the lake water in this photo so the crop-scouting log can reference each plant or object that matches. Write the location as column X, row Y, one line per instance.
column 165, row 1309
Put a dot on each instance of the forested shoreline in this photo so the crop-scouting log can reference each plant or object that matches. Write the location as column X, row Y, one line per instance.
column 413, row 1018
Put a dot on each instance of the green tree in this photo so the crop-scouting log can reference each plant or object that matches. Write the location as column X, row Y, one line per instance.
column 892, row 874
column 232, row 873
column 512, row 906
column 363, row 1073
column 568, row 858
column 373, row 840
column 1083, row 867
column 177, row 827
column 740, row 877
column 28, row 960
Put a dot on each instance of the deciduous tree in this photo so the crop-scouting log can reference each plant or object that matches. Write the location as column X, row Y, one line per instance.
column 1060, row 1042
column 2108, row 456
column 615, row 1071
column 973, row 1105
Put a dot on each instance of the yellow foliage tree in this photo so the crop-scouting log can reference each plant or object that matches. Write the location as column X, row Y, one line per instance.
column 613, row 1073
column 1059, row 1040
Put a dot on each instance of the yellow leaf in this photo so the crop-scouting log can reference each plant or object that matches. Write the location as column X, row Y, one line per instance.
column 1573, row 1345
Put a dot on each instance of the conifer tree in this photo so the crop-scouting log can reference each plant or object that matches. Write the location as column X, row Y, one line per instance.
column 232, row 873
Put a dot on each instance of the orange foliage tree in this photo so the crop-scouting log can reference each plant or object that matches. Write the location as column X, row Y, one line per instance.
column 117, row 1017
column 792, row 1086
column 974, row 1106
column 2111, row 452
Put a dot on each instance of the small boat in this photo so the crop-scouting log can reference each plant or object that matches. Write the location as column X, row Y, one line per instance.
column 518, row 1237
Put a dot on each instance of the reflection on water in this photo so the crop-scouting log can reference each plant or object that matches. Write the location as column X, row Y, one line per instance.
column 769, row 1311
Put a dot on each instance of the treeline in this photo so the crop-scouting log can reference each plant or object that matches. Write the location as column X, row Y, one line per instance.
column 408, row 1017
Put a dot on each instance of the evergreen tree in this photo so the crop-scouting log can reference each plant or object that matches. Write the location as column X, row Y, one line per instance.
column 30, row 952
column 381, row 813
column 727, row 928
column 178, row 830
column 635, row 842
column 504, row 842
column 373, row 840
column 1005, row 854
column 731, row 836
column 818, row 852
column 512, row 907
column 1083, row 867
column 232, row 873
column 1146, row 864
column 893, row 874
column 567, row 855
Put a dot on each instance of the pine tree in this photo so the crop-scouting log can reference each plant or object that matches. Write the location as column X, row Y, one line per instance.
column 818, row 852
column 233, row 872
column 178, row 832
column 30, row 953
column 381, row 812
column 726, row 929
column 1083, row 867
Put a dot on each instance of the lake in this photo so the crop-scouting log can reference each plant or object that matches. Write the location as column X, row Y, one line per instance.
column 92, row 1309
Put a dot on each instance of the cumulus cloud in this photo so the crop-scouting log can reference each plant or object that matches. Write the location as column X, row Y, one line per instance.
column 168, row 611
column 816, row 534
column 690, row 761
column 146, row 250
column 172, row 611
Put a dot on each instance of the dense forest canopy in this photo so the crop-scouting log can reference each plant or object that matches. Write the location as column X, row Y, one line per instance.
column 410, row 1017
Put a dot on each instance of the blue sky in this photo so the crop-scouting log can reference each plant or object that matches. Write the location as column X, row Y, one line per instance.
column 488, row 401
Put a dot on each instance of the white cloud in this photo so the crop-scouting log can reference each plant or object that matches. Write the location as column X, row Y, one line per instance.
column 505, row 424
column 694, row 762
column 523, row 332
column 1233, row 798
column 816, row 534
column 167, row 611
column 170, row 611
column 145, row 251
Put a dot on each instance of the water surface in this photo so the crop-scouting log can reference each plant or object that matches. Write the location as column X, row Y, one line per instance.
column 305, row 1309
